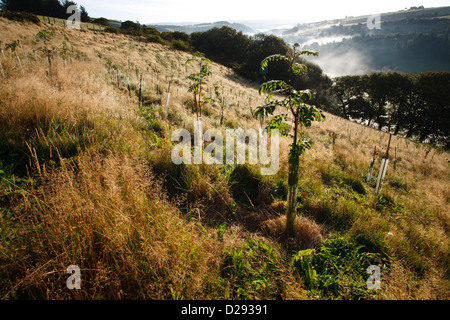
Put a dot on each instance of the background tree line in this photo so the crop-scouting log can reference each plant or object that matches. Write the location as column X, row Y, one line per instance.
column 51, row 8
column 414, row 105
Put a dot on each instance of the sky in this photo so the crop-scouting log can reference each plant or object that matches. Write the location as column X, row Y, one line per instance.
column 158, row 11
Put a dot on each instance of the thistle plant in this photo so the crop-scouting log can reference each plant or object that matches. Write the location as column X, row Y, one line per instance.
column 292, row 104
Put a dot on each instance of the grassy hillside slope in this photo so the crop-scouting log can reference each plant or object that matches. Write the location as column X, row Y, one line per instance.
column 86, row 179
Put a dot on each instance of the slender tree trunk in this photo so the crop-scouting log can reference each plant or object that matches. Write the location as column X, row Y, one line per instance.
column 292, row 194
column 292, row 198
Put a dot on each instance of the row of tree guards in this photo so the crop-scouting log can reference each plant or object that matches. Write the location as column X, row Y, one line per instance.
column 384, row 161
column 123, row 79
column 119, row 77
column 49, row 53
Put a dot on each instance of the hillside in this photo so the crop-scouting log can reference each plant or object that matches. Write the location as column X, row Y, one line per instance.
column 86, row 179
column 201, row 27
column 409, row 41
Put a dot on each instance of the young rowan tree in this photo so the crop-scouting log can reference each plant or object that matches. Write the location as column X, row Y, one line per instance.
column 198, row 80
column 293, row 104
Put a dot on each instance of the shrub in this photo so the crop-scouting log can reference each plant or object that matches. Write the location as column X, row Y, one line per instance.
column 101, row 21
column 111, row 30
column 20, row 16
column 154, row 38
column 181, row 45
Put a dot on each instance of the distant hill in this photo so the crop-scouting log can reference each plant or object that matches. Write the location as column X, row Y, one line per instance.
column 413, row 40
column 202, row 27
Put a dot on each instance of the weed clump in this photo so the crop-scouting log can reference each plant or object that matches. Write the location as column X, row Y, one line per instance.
column 337, row 270
column 254, row 271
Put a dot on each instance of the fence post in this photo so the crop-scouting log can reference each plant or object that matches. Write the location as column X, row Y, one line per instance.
column 395, row 159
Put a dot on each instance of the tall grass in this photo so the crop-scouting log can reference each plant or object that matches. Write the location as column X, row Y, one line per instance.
column 86, row 178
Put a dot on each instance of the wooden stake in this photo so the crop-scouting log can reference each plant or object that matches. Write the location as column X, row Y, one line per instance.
column 372, row 164
column 395, row 159
column 140, row 90
column 389, row 145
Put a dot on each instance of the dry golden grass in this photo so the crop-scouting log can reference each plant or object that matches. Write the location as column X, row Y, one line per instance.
column 97, row 198
column 308, row 234
column 107, row 217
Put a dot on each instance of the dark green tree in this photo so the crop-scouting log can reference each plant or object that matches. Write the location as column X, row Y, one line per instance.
column 403, row 101
column 130, row 26
column 377, row 87
column 346, row 89
column 434, row 115
column 84, row 15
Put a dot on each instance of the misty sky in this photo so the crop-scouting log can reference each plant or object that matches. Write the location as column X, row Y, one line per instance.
column 156, row 11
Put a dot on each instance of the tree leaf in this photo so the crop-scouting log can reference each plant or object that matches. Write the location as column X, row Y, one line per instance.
column 272, row 86
column 298, row 68
column 275, row 57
